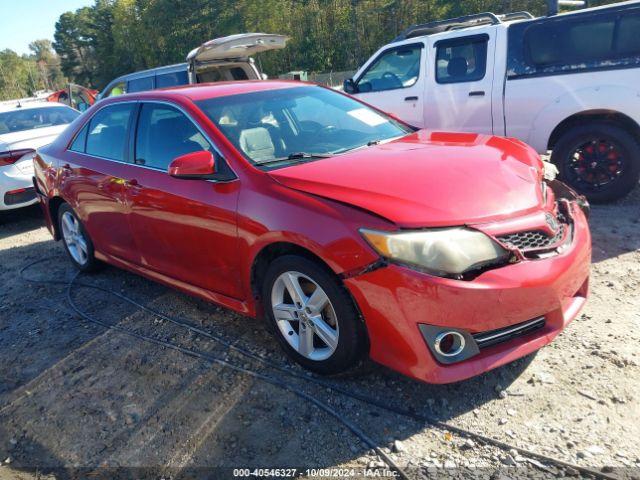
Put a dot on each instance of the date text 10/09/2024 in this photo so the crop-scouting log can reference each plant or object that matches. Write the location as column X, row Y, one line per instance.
column 314, row 472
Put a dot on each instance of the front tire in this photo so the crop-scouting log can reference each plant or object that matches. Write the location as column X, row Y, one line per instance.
column 313, row 316
column 76, row 240
column 598, row 160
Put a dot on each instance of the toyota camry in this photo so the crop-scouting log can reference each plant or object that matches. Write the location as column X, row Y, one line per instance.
column 440, row 255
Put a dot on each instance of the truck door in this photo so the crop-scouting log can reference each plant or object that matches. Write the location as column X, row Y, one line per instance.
column 393, row 81
column 460, row 80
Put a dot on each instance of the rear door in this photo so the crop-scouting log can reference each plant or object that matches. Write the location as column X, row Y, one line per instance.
column 394, row 82
column 94, row 179
column 460, row 82
column 185, row 229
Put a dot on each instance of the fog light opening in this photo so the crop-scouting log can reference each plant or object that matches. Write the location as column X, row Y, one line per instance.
column 449, row 344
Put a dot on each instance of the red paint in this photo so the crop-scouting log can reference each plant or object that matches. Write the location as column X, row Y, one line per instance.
column 195, row 164
column 203, row 237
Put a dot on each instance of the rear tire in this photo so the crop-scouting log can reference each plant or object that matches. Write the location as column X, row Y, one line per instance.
column 76, row 240
column 599, row 160
column 338, row 338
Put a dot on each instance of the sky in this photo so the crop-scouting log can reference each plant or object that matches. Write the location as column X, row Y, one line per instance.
column 22, row 21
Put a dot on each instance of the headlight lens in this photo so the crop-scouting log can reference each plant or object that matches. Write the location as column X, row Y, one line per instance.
column 446, row 252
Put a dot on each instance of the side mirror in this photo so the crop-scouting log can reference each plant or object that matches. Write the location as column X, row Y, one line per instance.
column 349, row 86
column 264, row 76
column 199, row 165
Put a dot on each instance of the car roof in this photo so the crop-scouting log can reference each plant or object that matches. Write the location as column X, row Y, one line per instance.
column 504, row 24
column 205, row 91
column 177, row 67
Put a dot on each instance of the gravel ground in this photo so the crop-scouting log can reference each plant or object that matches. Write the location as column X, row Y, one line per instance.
column 76, row 399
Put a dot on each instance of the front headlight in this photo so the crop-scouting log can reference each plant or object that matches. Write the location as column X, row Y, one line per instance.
column 445, row 252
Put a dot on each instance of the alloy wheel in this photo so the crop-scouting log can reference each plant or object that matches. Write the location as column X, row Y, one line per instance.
column 305, row 316
column 595, row 164
column 74, row 238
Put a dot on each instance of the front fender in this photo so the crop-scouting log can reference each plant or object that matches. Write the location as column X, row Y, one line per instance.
column 327, row 229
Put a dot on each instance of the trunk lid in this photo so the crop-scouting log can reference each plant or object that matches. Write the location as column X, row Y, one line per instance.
column 241, row 45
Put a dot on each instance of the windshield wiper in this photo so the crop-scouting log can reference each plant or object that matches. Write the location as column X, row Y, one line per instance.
column 296, row 156
column 299, row 155
column 370, row 143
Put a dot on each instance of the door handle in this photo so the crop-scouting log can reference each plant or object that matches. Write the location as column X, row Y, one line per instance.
column 477, row 93
column 133, row 186
column 410, row 99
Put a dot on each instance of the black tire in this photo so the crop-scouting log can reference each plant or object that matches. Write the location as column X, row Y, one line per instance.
column 352, row 339
column 91, row 264
column 626, row 146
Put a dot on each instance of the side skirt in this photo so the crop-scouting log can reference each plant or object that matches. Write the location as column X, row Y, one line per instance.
column 234, row 304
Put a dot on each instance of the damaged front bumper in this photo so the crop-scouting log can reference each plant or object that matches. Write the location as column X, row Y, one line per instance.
column 405, row 311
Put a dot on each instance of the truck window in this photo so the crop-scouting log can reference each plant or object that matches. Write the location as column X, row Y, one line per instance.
column 397, row 67
column 119, row 88
column 140, row 84
column 628, row 41
column 598, row 41
column 461, row 59
column 172, row 79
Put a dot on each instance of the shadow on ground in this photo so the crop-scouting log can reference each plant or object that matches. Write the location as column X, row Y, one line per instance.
column 20, row 220
column 72, row 395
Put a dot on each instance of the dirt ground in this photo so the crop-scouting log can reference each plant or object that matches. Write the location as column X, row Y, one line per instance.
column 76, row 399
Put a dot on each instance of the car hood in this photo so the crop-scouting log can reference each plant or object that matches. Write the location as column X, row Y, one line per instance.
column 429, row 179
column 34, row 138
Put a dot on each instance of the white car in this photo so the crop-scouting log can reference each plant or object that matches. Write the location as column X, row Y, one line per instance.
column 23, row 129
column 567, row 83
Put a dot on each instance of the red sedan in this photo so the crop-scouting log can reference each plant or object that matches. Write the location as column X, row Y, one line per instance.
column 440, row 255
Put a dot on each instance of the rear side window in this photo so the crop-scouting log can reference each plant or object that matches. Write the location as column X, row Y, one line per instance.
column 107, row 135
column 461, row 59
column 140, row 84
column 172, row 79
column 574, row 44
column 584, row 41
column 396, row 68
column 80, row 141
column 163, row 134
column 628, row 41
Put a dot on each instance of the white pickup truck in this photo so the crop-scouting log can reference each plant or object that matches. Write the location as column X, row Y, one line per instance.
column 569, row 83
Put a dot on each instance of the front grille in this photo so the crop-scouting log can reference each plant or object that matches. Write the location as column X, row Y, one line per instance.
column 532, row 239
column 22, row 196
column 492, row 337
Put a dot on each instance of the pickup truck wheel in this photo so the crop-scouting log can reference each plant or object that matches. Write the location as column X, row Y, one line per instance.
column 313, row 316
column 76, row 240
column 599, row 160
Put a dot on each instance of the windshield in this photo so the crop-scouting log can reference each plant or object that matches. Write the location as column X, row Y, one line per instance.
column 276, row 128
column 31, row 118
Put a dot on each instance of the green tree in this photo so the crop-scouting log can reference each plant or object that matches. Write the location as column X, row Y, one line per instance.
column 19, row 76
column 48, row 64
column 74, row 42
column 112, row 37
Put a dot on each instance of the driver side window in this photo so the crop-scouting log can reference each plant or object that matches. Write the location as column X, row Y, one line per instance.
column 398, row 67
